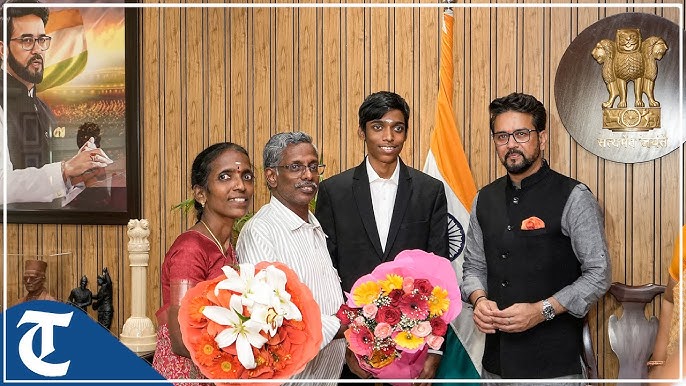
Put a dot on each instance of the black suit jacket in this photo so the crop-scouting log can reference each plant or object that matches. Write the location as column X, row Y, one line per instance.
column 344, row 209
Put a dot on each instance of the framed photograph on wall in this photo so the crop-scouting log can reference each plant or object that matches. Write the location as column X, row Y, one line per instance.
column 79, row 121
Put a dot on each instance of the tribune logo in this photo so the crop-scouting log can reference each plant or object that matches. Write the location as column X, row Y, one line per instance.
column 45, row 341
column 45, row 322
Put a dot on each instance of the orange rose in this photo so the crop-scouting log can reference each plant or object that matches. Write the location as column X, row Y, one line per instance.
column 532, row 223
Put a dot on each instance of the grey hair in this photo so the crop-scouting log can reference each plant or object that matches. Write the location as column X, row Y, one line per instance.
column 273, row 150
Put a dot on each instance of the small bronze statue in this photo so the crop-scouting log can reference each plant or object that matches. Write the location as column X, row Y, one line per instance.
column 103, row 303
column 81, row 296
column 34, row 281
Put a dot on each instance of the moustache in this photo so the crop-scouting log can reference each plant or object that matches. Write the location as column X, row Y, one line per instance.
column 306, row 184
column 36, row 58
column 513, row 151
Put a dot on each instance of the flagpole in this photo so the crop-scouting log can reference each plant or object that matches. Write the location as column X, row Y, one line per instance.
column 447, row 162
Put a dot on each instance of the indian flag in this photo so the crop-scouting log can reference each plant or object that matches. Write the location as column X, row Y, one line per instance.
column 447, row 162
column 68, row 54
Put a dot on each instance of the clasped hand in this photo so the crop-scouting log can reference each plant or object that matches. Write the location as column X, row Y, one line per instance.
column 516, row 318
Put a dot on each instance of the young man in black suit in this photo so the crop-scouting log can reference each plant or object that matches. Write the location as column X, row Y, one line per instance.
column 372, row 212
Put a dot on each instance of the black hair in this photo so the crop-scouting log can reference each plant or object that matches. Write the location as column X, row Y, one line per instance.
column 14, row 12
column 87, row 130
column 378, row 104
column 521, row 103
column 200, row 170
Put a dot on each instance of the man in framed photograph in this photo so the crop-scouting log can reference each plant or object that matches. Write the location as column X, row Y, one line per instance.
column 30, row 122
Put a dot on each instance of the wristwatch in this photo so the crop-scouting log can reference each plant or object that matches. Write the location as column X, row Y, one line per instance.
column 548, row 311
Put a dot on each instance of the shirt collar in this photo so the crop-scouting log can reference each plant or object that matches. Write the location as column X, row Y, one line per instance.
column 373, row 176
column 290, row 219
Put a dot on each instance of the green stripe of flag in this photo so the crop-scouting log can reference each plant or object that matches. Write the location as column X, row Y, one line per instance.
column 62, row 72
column 456, row 363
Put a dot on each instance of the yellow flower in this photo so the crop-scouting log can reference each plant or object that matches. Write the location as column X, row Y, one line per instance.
column 438, row 301
column 366, row 293
column 379, row 359
column 407, row 340
column 226, row 366
column 392, row 282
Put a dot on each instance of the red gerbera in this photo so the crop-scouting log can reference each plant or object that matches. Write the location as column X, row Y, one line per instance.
column 414, row 306
column 360, row 339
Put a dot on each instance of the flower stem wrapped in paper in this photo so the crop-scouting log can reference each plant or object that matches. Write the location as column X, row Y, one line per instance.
column 255, row 322
column 399, row 311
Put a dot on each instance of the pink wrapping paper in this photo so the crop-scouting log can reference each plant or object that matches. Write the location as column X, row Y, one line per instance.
column 409, row 366
column 420, row 265
column 417, row 264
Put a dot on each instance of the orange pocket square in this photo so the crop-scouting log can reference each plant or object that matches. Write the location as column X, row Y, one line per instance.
column 532, row 223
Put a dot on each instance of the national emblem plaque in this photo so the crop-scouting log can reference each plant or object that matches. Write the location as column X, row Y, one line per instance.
column 617, row 88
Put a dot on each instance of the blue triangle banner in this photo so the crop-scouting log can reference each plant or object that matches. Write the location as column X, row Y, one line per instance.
column 51, row 341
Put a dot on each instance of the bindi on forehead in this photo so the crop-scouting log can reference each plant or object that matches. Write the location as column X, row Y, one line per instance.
column 237, row 167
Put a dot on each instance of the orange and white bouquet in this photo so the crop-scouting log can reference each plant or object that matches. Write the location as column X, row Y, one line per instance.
column 252, row 322
column 399, row 311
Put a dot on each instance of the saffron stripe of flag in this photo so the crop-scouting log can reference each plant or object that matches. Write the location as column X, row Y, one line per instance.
column 68, row 54
column 447, row 162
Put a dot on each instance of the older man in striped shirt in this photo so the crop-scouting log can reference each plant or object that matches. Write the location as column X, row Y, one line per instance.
column 284, row 230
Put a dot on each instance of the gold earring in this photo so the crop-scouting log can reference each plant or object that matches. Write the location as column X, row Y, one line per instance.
column 202, row 204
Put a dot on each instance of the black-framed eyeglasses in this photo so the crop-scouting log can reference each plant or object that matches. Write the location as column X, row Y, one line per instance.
column 520, row 136
column 28, row 42
column 300, row 168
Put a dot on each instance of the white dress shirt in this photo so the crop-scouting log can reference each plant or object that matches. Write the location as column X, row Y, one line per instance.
column 42, row 184
column 275, row 233
column 383, row 193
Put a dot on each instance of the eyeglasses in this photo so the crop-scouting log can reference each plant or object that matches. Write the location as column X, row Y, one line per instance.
column 300, row 168
column 28, row 42
column 520, row 136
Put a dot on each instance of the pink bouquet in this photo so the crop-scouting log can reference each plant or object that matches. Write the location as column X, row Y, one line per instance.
column 399, row 311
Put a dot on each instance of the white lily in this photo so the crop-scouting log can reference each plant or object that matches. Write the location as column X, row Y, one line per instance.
column 275, row 279
column 243, row 283
column 245, row 332
column 268, row 316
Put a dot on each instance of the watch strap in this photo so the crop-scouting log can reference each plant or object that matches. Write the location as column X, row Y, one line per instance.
column 548, row 311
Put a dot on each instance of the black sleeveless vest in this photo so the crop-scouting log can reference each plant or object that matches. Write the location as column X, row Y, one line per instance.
column 526, row 266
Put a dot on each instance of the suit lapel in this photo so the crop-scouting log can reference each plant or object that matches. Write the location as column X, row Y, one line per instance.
column 363, row 199
column 402, row 199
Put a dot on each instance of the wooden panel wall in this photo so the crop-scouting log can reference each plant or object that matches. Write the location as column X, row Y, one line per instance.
column 243, row 74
